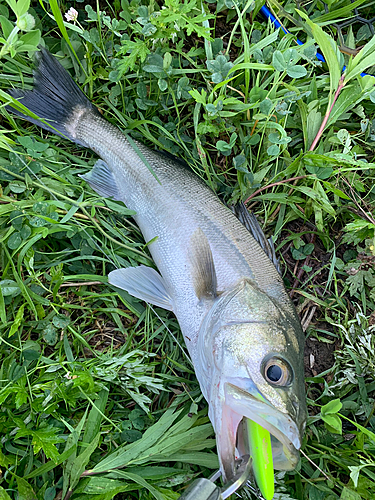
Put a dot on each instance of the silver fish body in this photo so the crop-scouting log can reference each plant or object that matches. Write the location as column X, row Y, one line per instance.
column 239, row 325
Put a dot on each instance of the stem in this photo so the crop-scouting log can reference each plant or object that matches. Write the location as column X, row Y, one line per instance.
column 68, row 495
column 89, row 473
column 272, row 185
column 9, row 42
column 327, row 115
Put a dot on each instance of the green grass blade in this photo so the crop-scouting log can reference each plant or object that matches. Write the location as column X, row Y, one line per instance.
column 331, row 53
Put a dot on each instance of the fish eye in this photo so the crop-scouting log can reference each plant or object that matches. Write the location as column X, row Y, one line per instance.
column 277, row 372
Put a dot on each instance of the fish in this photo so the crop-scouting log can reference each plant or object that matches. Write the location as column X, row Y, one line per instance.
column 216, row 271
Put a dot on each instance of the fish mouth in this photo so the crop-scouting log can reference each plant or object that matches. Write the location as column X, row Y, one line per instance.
column 285, row 434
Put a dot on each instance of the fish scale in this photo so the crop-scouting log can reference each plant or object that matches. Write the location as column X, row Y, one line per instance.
column 187, row 206
column 237, row 319
column 197, row 204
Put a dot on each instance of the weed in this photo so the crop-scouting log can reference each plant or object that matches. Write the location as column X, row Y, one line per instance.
column 97, row 395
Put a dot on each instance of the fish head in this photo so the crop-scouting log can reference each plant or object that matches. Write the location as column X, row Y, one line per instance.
column 251, row 365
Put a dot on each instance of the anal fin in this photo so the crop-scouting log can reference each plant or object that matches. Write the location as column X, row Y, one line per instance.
column 144, row 283
column 101, row 179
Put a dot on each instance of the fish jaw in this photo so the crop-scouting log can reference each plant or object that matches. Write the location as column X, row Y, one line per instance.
column 237, row 404
column 242, row 330
column 286, row 435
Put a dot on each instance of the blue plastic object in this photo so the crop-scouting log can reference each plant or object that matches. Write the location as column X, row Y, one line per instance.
column 267, row 14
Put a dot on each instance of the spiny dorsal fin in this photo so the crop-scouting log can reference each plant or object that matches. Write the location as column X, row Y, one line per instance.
column 203, row 268
column 249, row 220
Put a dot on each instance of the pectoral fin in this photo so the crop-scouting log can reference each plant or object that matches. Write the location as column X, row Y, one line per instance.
column 202, row 264
column 144, row 283
column 102, row 181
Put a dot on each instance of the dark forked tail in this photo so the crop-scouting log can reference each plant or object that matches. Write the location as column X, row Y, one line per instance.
column 55, row 97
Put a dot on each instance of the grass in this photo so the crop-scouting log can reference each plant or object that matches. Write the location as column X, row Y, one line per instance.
column 92, row 380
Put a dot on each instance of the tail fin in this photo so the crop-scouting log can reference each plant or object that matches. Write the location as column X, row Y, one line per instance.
column 55, row 97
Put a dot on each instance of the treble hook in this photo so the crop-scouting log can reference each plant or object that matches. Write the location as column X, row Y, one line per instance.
column 206, row 489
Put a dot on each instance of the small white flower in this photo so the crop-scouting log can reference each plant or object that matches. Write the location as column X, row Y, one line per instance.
column 71, row 15
column 26, row 22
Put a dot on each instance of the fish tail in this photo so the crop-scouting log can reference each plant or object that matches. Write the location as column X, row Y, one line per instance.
column 55, row 98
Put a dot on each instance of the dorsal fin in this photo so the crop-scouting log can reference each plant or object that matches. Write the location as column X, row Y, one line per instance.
column 202, row 264
column 249, row 220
